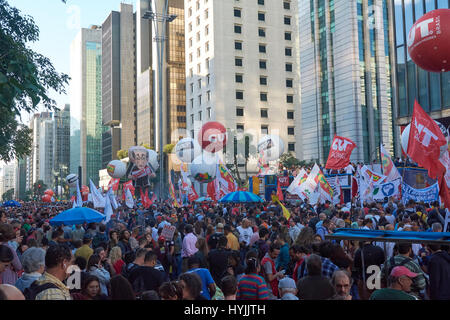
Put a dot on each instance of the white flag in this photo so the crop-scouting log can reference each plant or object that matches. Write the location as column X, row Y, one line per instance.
column 108, row 209
column 336, row 191
column 112, row 199
column 294, row 187
column 129, row 201
column 388, row 189
column 78, row 203
column 97, row 198
column 309, row 186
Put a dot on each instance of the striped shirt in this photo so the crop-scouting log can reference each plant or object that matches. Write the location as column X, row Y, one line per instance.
column 252, row 287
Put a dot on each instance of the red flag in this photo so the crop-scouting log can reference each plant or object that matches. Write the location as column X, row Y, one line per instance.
column 279, row 193
column 72, row 199
column 114, row 184
column 354, row 187
column 211, row 190
column 444, row 192
column 153, row 199
column 145, row 199
column 425, row 141
column 192, row 195
column 340, row 152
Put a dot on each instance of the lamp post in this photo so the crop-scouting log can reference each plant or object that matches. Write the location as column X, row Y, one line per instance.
column 160, row 19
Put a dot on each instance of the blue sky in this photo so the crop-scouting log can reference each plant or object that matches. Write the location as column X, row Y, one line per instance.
column 59, row 23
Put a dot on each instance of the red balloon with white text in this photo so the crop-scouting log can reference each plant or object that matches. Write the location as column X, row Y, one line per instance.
column 429, row 41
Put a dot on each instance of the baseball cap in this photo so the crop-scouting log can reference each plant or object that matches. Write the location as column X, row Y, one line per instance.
column 402, row 271
column 287, row 283
column 220, row 225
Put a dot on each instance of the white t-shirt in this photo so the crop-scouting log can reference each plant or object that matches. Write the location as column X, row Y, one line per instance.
column 349, row 169
column 245, row 234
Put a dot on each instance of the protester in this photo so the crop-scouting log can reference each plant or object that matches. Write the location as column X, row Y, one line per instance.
column 288, row 289
column 439, row 272
column 314, row 286
column 146, row 277
column 90, row 290
column 121, row 289
column 342, row 283
column 229, row 287
column 192, row 286
column 252, row 286
column 9, row 292
column 96, row 268
column 171, row 291
column 33, row 262
column 399, row 282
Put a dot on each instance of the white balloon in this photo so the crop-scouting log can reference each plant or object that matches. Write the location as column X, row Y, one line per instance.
column 271, row 146
column 153, row 159
column 203, row 168
column 187, row 150
column 405, row 138
column 116, row 169
column 72, row 180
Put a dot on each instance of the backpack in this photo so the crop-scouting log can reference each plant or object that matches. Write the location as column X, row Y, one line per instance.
column 31, row 292
column 392, row 264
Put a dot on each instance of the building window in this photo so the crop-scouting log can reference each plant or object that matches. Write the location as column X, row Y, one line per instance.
column 287, row 21
column 239, row 78
column 263, row 81
column 207, row 30
column 263, row 96
column 289, row 83
column 192, row 87
column 262, row 48
column 208, row 95
column 192, row 103
column 208, row 78
column 198, row 36
column 200, row 116
column 239, row 112
column 261, row 16
column 290, row 115
column 237, row 12
column 192, row 118
column 239, row 127
column 287, row 5
column 287, row 36
column 289, row 67
column 198, row 52
column 264, row 129
column 190, row 42
column 191, row 72
column 207, row 46
column 207, row 63
column 238, row 45
column 190, row 12
column 198, row 21
column 264, row 113
column 291, row 131
column 209, row 112
column 190, row 27
column 200, row 100
column 262, row 64
column 237, row 28
column 288, row 52
column 291, row 147
column 199, row 81
column 239, row 95
column 290, row 98
column 206, row 14
column 262, row 32
column 238, row 62
column 261, row 2
column 190, row 57
column 199, row 68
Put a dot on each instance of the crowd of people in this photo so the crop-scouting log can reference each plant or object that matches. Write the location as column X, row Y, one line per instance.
column 221, row 252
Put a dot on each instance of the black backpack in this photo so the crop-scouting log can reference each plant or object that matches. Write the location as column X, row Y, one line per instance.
column 31, row 292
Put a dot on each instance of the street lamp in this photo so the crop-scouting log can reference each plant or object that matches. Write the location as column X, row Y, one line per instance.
column 160, row 18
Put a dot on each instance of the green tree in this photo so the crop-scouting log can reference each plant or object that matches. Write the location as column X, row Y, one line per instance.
column 28, row 195
column 8, row 195
column 25, row 78
column 122, row 154
column 39, row 188
column 289, row 161
column 168, row 148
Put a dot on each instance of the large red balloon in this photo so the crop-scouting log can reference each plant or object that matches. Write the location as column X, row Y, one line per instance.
column 47, row 198
column 49, row 192
column 429, row 41
column 212, row 136
column 84, row 193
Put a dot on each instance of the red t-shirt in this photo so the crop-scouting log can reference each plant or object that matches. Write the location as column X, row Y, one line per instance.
column 295, row 273
column 118, row 266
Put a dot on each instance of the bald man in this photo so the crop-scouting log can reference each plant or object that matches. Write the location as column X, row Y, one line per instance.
column 9, row 292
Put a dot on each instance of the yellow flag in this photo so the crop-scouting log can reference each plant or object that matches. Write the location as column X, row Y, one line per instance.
column 286, row 212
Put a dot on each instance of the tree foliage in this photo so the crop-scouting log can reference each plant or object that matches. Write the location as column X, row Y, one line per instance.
column 168, row 148
column 25, row 78
column 122, row 154
column 8, row 195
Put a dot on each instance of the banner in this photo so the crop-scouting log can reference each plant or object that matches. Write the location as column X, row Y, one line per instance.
column 389, row 169
column 97, row 197
column 426, row 195
column 283, row 181
column 172, row 194
column 112, row 199
column 309, row 186
column 388, row 189
column 114, row 184
column 324, row 187
column 108, row 209
column 340, row 152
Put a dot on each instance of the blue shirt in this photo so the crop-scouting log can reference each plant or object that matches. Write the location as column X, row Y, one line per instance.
column 207, row 279
column 283, row 258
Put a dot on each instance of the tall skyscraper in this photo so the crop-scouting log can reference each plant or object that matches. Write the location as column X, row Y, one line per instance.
column 118, row 82
column 174, row 84
column 86, row 103
column 35, row 172
column 242, row 70
column 7, row 178
column 432, row 90
column 46, row 143
column 61, row 144
column 20, row 179
column 346, row 80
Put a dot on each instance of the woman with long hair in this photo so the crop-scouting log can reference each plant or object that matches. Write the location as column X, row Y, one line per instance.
column 202, row 252
column 171, row 291
column 90, row 290
column 115, row 256
column 305, row 237
column 96, row 268
column 192, row 286
column 121, row 289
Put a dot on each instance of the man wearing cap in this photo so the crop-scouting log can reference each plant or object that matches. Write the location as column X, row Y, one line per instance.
column 85, row 251
column 400, row 281
column 287, row 289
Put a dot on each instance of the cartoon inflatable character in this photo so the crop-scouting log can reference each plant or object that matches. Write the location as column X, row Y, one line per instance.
column 212, row 137
column 139, row 168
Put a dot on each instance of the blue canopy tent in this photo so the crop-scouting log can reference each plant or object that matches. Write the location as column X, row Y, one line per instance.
column 202, row 199
column 388, row 236
column 11, row 203
column 241, row 197
column 77, row 216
